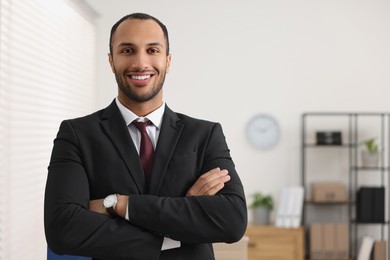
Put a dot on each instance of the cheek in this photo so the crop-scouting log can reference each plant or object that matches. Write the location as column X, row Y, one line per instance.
column 160, row 64
column 120, row 63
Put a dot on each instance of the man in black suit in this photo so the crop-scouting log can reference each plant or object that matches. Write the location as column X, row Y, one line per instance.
column 98, row 200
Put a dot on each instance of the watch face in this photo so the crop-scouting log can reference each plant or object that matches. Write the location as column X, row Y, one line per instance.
column 263, row 131
column 110, row 201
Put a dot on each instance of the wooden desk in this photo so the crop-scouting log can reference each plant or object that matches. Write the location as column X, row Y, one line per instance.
column 272, row 243
column 235, row 251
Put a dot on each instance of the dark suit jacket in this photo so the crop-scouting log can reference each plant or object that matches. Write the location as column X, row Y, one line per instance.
column 94, row 156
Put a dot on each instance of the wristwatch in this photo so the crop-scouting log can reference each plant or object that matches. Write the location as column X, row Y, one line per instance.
column 109, row 203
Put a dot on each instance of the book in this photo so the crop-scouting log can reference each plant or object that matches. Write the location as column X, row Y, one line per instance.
column 366, row 248
column 297, row 206
column 282, row 208
column 341, row 240
column 328, row 241
column 316, row 251
column 289, row 208
column 370, row 205
column 379, row 205
column 364, row 205
column 380, row 250
column 289, row 213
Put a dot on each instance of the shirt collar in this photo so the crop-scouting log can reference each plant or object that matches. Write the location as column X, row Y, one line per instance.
column 155, row 117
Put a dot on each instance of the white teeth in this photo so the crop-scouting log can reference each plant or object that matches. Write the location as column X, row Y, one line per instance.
column 140, row 77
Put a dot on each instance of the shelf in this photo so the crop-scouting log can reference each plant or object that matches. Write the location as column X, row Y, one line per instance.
column 328, row 146
column 360, row 168
column 329, row 203
column 346, row 163
column 307, row 257
column 370, row 223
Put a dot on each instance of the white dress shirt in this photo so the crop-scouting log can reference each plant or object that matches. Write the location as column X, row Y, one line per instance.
column 153, row 130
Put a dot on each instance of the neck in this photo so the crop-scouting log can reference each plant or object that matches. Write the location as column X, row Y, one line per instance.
column 141, row 109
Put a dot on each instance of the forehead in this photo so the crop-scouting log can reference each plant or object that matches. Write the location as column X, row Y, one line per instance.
column 139, row 32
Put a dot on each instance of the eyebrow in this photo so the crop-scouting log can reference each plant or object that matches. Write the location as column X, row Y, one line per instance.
column 124, row 44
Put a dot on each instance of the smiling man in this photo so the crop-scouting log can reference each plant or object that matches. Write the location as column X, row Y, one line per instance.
column 136, row 180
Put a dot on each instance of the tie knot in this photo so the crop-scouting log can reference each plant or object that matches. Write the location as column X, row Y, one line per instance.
column 141, row 126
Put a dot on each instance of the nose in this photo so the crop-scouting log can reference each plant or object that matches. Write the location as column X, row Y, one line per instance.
column 140, row 61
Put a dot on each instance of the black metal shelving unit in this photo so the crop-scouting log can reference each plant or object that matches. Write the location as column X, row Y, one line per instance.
column 354, row 126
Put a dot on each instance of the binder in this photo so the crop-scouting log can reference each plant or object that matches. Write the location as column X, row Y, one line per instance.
column 316, row 241
column 297, row 208
column 364, row 205
column 370, row 205
column 328, row 241
column 289, row 207
column 380, row 252
column 282, row 209
column 289, row 213
column 341, row 241
column 379, row 205
column 366, row 248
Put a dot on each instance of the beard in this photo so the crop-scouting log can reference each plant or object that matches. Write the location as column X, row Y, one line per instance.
column 128, row 90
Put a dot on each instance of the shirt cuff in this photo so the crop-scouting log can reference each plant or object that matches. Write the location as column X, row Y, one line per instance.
column 127, row 213
column 170, row 244
column 167, row 243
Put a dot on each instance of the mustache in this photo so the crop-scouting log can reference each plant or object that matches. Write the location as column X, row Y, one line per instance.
column 143, row 70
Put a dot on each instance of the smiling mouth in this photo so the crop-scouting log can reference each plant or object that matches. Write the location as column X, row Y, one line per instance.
column 138, row 77
column 140, row 80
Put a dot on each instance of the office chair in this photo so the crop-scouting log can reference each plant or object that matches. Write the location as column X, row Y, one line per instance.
column 52, row 256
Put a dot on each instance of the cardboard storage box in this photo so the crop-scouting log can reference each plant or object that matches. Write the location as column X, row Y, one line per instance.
column 380, row 252
column 328, row 192
column 329, row 241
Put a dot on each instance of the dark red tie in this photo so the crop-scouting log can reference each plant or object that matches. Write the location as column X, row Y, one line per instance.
column 146, row 149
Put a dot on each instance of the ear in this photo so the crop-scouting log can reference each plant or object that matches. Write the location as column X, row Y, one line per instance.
column 111, row 61
column 169, row 58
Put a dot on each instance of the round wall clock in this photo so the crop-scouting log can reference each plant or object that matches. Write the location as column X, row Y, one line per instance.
column 263, row 131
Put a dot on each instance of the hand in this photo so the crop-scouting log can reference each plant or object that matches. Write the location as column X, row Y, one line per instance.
column 209, row 183
column 120, row 208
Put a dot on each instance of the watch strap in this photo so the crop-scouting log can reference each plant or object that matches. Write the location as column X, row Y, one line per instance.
column 111, row 211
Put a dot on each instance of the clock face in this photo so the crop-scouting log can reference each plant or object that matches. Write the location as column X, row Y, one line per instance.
column 263, row 131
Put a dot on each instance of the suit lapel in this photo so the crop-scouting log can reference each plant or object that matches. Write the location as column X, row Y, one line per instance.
column 171, row 129
column 116, row 129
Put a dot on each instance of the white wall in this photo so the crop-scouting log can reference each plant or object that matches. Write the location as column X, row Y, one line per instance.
column 233, row 59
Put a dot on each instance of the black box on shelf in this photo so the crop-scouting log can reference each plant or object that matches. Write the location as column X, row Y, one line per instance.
column 328, row 138
column 370, row 206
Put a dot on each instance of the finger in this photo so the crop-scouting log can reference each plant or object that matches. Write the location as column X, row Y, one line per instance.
column 195, row 189
column 211, row 172
column 210, row 179
column 207, row 180
column 212, row 175
column 212, row 187
column 214, row 190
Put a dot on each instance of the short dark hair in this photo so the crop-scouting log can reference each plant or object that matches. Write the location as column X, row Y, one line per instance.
column 139, row 16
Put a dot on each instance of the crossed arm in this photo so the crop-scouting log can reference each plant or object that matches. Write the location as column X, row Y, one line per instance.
column 208, row 184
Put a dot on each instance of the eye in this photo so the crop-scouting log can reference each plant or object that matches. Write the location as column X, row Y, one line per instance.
column 127, row 51
column 153, row 50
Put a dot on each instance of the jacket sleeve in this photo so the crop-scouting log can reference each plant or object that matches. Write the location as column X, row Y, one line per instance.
column 198, row 219
column 70, row 227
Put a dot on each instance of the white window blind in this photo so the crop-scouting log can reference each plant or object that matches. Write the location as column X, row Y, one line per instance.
column 47, row 65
